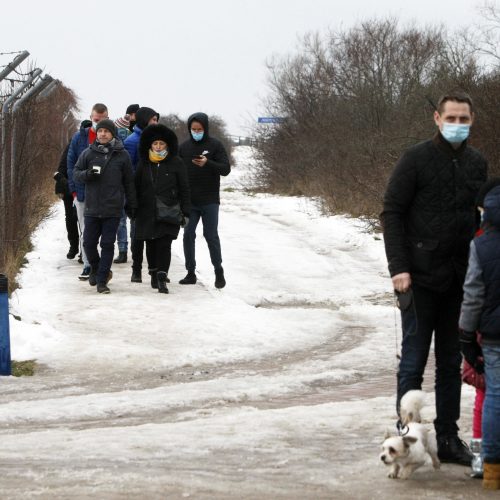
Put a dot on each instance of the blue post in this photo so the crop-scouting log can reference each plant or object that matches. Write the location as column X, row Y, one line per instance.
column 5, row 367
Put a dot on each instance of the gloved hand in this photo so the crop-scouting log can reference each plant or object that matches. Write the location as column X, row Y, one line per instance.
column 471, row 350
column 131, row 212
column 91, row 174
column 185, row 221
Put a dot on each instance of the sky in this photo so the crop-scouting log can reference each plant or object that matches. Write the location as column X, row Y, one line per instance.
column 181, row 57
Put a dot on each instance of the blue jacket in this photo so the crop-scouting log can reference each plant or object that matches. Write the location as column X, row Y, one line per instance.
column 79, row 143
column 131, row 144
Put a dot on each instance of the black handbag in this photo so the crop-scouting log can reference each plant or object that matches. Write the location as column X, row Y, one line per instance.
column 169, row 213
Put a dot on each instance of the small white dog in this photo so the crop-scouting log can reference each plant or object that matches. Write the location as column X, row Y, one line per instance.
column 408, row 452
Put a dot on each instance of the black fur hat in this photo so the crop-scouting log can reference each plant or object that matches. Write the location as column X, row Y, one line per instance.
column 158, row 132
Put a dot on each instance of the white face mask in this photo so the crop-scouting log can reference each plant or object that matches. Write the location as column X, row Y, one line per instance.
column 94, row 125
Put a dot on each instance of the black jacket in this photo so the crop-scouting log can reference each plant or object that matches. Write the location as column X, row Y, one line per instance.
column 429, row 212
column 204, row 182
column 105, row 193
column 166, row 180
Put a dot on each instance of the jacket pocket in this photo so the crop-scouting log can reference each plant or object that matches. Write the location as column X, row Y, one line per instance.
column 422, row 253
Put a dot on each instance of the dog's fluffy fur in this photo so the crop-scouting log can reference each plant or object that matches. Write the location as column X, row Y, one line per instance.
column 406, row 453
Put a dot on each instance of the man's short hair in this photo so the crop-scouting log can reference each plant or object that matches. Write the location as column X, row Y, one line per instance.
column 99, row 107
column 454, row 96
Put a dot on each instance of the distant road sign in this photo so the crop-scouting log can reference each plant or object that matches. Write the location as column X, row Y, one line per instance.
column 270, row 119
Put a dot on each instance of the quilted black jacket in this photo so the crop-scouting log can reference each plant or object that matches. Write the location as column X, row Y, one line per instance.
column 429, row 212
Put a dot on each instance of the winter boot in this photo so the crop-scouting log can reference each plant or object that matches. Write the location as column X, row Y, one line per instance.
column 93, row 276
column 154, row 278
column 491, row 480
column 477, row 461
column 220, row 281
column 162, row 282
column 103, row 288
column 72, row 252
column 189, row 279
column 136, row 276
column 452, row 450
column 80, row 259
column 121, row 259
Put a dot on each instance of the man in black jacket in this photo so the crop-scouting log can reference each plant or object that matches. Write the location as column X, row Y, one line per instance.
column 106, row 170
column 206, row 160
column 428, row 220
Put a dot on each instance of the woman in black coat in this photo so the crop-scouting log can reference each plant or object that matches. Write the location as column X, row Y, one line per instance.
column 161, row 175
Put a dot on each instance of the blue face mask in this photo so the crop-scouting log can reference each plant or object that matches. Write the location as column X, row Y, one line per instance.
column 455, row 132
column 197, row 136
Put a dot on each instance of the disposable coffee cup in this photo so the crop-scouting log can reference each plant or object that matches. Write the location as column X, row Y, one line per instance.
column 96, row 169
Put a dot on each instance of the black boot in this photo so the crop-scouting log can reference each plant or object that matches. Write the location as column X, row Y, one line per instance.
column 154, row 278
column 121, row 259
column 72, row 252
column 136, row 276
column 220, row 281
column 162, row 282
column 189, row 279
column 93, row 276
column 452, row 450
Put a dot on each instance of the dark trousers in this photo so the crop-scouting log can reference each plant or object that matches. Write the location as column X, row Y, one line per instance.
column 105, row 229
column 137, row 247
column 433, row 312
column 71, row 221
column 209, row 215
column 159, row 253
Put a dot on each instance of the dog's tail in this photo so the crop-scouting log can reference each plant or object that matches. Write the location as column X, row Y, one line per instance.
column 411, row 404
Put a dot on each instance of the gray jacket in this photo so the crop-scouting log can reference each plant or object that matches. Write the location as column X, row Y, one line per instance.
column 474, row 294
column 105, row 193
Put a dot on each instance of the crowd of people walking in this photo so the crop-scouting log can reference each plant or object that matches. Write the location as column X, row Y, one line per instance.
column 133, row 168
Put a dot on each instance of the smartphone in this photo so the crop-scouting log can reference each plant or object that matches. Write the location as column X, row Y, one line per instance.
column 197, row 157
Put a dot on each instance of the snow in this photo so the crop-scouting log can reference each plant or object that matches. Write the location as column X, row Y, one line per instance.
column 269, row 375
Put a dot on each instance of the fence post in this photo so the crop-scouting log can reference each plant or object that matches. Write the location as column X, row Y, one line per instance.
column 5, row 363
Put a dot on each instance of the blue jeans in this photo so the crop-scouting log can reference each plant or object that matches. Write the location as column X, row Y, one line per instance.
column 121, row 234
column 491, row 408
column 433, row 312
column 209, row 215
column 105, row 229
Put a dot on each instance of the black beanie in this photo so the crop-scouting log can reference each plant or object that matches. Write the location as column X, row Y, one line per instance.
column 108, row 125
column 132, row 109
column 143, row 116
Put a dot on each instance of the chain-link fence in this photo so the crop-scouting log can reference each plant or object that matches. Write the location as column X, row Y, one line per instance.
column 36, row 122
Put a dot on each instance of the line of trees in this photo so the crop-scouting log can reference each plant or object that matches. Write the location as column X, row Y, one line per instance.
column 354, row 99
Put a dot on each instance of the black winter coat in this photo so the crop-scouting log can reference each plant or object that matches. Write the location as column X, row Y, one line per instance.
column 62, row 179
column 204, row 182
column 105, row 194
column 166, row 180
column 429, row 212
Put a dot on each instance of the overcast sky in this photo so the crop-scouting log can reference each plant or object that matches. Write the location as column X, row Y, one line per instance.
column 185, row 56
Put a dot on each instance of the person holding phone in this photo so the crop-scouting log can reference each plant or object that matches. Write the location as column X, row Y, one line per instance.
column 206, row 160
column 106, row 171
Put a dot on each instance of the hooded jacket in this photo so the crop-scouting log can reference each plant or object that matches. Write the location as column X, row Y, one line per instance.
column 481, row 304
column 79, row 142
column 204, row 182
column 106, row 192
column 166, row 180
column 429, row 212
column 131, row 143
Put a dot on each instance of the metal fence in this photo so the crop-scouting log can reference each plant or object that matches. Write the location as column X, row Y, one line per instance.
column 33, row 106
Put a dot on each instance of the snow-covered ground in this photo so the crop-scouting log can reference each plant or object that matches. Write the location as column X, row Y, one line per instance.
column 279, row 386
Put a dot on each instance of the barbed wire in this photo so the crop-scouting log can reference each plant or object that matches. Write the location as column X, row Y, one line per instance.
column 9, row 53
